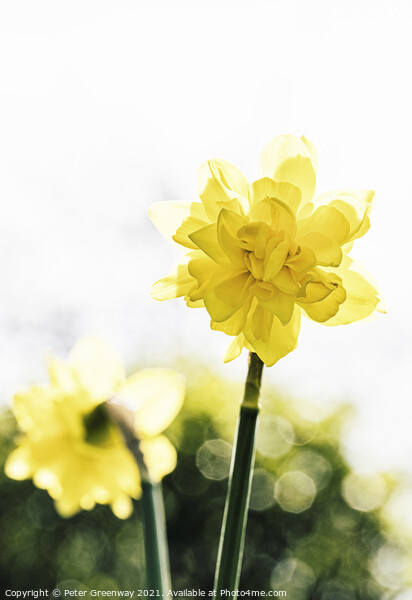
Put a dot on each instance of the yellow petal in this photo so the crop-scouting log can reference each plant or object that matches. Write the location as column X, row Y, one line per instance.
column 288, row 159
column 177, row 283
column 203, row 270
column 362, row 297
column 261, row 323
column 313, row 153
column 355, row 205
column 324, row 304
column 287, row 193
column 253, row 237
column 155, row 396
column 302, row 261
column 98, row 367
column 227, row 227
column 207, row 240
column 276, row 214
column 218, row 309
column 220, row 185
column 235, row 348
column 159, row 455
column 169, row 216
column 282, row 339
column 235, row 324
column 189, row 225
column 328, row 221
column 327, row 252
column 285, row 281
column 234, row 290
column 276, row 260
column 281, row 305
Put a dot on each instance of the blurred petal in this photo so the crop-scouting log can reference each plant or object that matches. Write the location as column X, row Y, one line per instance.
column 98, row 367
column 122, row 507
column 61, row 375
column 287, row 158
column 18, row 464
column 156, row 396
column 159, row 455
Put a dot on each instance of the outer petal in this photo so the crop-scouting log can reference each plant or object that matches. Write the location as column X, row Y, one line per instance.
column 267, row 188
column 355, row 205
column 169, row 216
column 236, row 323
column 362, row 298
column 177, row 283
column 328, row 221
column 282, row 339
column 98, row 367
column 327, row 252
column 156, row 396
column 236, row 347
column 288, row 158
column 222, row 185
column 159, row 455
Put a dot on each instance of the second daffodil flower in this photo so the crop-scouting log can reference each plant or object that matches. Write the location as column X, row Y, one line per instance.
column 71, row 448
column 259, row 255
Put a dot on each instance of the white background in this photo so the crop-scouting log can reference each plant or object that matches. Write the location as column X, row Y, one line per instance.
column 107, row 107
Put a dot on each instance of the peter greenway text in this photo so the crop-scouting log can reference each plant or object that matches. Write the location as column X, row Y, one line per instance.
column 192, row 593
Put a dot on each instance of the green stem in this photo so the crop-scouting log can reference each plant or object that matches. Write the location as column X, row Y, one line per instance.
column 154, row 527
column 229, row 560
column 153, row 513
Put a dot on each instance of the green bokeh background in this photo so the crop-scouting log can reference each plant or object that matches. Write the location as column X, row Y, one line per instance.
column 329, row 551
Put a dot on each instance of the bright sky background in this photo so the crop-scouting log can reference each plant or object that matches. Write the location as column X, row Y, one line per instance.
column 107, row 107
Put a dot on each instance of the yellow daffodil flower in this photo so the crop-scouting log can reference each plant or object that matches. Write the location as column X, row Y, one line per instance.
column 71, row 448
column 260, row 254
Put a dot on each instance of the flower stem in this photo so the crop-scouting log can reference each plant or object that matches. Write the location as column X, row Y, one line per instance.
column 154, row 527
column 229, row 560
column 153, row 513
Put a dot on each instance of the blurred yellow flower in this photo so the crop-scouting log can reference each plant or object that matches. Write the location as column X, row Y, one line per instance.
column 260, row 254
column 71, row 448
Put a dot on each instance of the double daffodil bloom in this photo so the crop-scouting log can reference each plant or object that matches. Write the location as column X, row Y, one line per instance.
column 260, row 254
column 71, row 448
